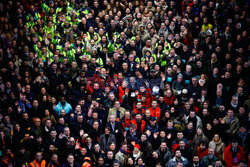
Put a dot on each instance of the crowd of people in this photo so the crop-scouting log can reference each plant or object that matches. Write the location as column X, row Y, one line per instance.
column 124, row 83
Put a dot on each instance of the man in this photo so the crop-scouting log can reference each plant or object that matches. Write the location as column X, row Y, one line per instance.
column 115, row 127
column 232, row 122
column 54, row 161
column 110, row 101
column 185, row 151
column 53, row 139
column 63, row 105
column 218, row 163
column 155, row 111
column 22, row 157
column 196, row 162
column 71, row 162
column 233, row 154
column 109, row 158
column 38, row 162
column 152, row 126
column 173, row 162
column 106, row 139
column 145, row 145
column 194, row 89
column 77, row 125
column 139, row 124
column 122, row 154
column 180, row 137
column 164, row 153
column 117, row 110
column 209, row 159
column 131, row 136
column 126, row 121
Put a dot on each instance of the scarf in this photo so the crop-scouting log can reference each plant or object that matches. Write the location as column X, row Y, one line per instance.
column 124, row 151
column 136, row 156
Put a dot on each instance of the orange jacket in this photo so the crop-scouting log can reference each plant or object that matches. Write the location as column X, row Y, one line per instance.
column 35, row 163
column 7, row 159
column 155, row 112
column 143, row 124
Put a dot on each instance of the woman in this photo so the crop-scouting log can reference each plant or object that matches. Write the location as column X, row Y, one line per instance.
column 136, row 152
column 140, row 163
column 47, row 116
column 218, row 146
column 198, row 138
column 129, row 162
column 164, row 120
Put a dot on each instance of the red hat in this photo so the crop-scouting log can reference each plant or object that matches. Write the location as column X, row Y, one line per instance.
column 137, row 146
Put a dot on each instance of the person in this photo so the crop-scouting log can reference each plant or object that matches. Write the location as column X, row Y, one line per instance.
column 109, row 158
column 177, row 159
column 63, row 104
column 122, row 154
column 139, row 124
column 233, row 154
column 54, row 161
column 71, row 162
column 209, row 159
column 117, row 111
column 38, row 161
column 116, row 163
column 232, row 123
column 106, row 139
column 145, row 145
column 155, row 111
column 198, row 138
column 164, row 153
column 218, row 146
column 196, row 161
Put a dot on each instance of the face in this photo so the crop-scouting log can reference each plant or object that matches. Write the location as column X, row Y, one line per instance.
column 163, row 146
column 39, row 157
column 70, row 159
column 143, row 137
column 178, row 154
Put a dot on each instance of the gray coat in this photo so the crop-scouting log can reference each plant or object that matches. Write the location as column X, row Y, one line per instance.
column 167, row 155
column 104, row 144
column 173, row 162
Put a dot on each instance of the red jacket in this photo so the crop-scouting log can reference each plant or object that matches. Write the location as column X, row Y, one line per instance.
column 169, row 100
column 201, row 154
column 228, row 156
column 143, row 124
column 155, row 112
column 121, row 93
column 125, row 123
column 137, row 111
column 148, row 96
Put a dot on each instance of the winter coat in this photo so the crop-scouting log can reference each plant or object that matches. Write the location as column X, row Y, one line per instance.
column 228, row 158
column 234, row 125
column 218, row 147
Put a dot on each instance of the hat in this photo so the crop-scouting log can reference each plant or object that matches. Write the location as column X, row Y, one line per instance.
column 137, row 146
column 51, row 1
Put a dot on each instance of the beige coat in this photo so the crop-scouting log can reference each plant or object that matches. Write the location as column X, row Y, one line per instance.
column 112, row 111
column 218, row 147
